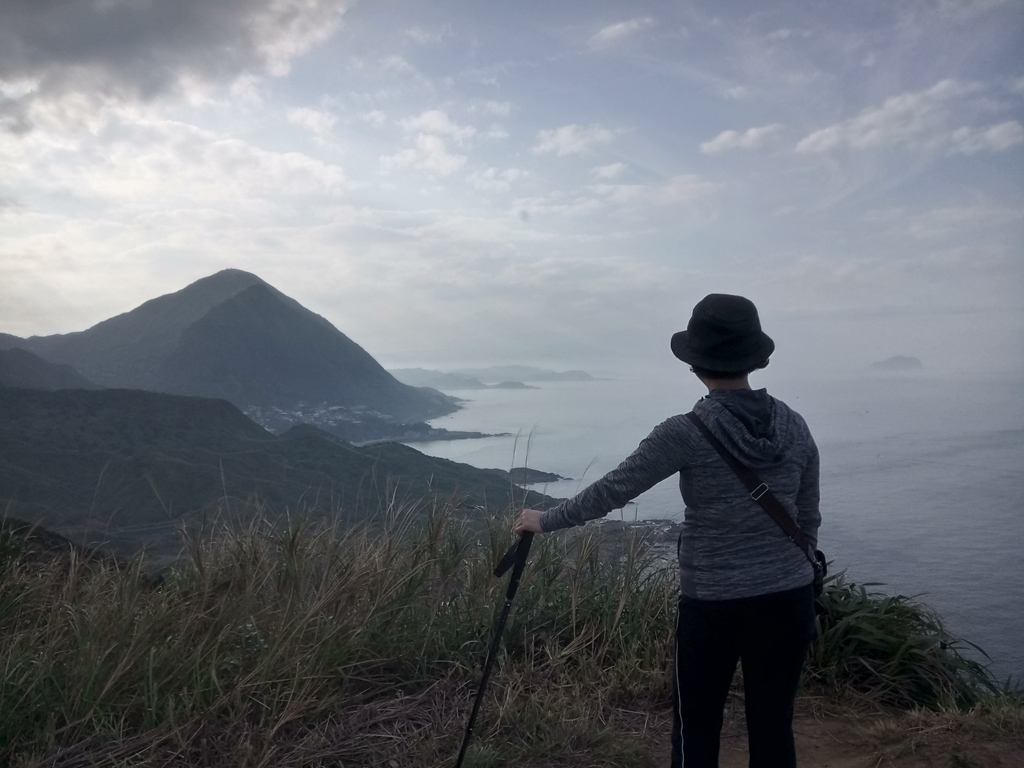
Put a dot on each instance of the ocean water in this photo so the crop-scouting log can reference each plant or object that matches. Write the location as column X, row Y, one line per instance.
column 922, row 478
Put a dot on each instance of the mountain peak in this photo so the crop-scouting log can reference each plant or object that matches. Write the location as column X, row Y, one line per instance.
column 233, row 335
column 226, row 279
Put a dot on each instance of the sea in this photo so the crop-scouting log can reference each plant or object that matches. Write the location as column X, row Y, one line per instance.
column 922, row 477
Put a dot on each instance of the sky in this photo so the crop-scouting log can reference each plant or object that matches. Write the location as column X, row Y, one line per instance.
column 544, row 183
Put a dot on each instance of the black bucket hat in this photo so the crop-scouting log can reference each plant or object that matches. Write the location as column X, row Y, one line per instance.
column 724, row 334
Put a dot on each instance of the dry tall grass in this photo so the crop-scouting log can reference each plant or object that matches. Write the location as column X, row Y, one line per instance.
column 309, row 645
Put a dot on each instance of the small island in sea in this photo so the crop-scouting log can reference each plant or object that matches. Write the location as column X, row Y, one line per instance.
column 512, row 385
column 898, row 363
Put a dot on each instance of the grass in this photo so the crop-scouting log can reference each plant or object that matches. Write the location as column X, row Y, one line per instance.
column 310, row 645
column 896, row 651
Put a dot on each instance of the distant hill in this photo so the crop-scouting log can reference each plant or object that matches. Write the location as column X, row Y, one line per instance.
column 524, row 373
column 231, row 335
column 898, row 363
column 20, row 368
column 446, row 382
column 504, row 377
column 449, row 382
column 123, row 468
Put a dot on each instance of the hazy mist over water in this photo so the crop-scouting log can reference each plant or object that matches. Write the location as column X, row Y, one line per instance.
column 922, row 481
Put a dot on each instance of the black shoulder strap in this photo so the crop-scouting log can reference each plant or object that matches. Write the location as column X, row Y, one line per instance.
column 759, row 491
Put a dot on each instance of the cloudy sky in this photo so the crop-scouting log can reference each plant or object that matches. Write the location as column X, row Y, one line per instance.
column 535, row 182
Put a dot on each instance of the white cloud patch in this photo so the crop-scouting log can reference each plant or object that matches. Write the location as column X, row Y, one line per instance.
column 913, row 120
column 317, row 121
column 427, row 36
column 678, row 190
column 736, row 92
column 615, row 32
column 397, row 64
column 946, row 222
column 573, row 139
column 17, row 89
column 495, row 132
column 146, row 167
column 491, row 107
column 436, row 121
column 752, row 138
column 997, row 138
column 374, row 117
column 495, row 180
column 429, row 154
column 612, row 171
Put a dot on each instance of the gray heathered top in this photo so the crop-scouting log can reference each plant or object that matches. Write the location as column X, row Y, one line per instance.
column 729, row 547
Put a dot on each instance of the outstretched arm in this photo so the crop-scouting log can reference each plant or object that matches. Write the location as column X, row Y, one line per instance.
column 662, row 453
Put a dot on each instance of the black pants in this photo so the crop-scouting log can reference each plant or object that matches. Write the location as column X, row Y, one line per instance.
column 769, row 635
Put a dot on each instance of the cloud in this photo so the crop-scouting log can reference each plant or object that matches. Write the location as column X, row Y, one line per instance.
column 162, row 165
column 316, row 121
column 493, row 180
column 677, row 190
column 428, row 154
column 612, row 171
column 910, row 119
column 752, row 138
column 736, row 92
column 964, row 9
column 426, row 36
column 947, row 222
column 496, row 132
column 436, row 121
column 93, row 54
column 396, row 63
column 615, row 32
column 498, row 108
column 9, row 205
column 573, row 139
column 429, row 151
column 968, row 141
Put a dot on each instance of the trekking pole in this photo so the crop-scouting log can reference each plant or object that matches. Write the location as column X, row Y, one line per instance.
column 515, row 559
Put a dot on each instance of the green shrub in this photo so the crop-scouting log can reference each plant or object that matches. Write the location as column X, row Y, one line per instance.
column 895, row 650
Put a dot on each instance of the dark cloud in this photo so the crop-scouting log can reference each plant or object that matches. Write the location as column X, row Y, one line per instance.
column 139, row 49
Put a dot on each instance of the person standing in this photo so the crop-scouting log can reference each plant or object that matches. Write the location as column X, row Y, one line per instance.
column 746, row 592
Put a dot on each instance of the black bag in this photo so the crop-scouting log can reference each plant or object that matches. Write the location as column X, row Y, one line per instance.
column 762, row 494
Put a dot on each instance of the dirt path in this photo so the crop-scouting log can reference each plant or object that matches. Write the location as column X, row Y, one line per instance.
column 881, row 740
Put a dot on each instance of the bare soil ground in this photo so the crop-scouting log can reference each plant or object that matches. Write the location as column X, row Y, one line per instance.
column 843, row 736
column 832, row 735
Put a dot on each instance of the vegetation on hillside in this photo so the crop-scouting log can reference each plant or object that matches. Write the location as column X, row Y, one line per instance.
column 126, row 467
column 313, row 645
column 20, row 368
